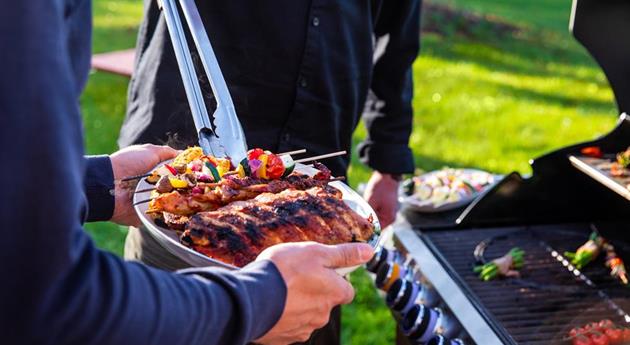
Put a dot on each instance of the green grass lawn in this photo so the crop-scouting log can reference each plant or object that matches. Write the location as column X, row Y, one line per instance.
column 488, row 101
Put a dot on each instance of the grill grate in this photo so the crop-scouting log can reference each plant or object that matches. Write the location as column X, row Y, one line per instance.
column 548, row 300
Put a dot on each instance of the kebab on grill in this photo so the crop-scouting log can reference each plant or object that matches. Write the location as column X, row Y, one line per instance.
column 237, row 233
column 615, row 263
column 619, row 168
column 506, row 266
column 587, row 252
column 591, row 249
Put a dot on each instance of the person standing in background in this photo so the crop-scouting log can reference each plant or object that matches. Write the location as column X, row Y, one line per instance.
column 301, row 74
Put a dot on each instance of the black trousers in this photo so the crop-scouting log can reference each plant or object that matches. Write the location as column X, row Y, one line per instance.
column 140, row 246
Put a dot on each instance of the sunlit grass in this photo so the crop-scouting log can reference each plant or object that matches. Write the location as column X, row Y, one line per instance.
column 489, row 101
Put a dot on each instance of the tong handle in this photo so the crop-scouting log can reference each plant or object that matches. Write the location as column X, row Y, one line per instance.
column 227, row 126
column 226, row 138
column 208, row 58
column 207, row 138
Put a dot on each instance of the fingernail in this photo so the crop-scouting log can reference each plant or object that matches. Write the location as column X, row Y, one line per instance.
column 366, row 252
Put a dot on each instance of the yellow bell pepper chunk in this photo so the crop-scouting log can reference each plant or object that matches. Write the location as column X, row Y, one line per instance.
column 223, row 166
column 177, row 183
column 262, row 171
column 188, row 155
column 240, row 171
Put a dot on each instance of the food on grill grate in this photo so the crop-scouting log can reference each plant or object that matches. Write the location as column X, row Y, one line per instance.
column 505, row 266
column 615, row 263
column 592, row 151
column 603, row 332
column 619, row 168
column 587, row 252
column 591, row 249
column 237, row 233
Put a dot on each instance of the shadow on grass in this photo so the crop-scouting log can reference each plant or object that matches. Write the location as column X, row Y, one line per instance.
column 590, row 106
column 511, row 54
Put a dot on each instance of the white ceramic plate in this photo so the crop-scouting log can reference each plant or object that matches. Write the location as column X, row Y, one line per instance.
column 168, row 238
column 429, row 206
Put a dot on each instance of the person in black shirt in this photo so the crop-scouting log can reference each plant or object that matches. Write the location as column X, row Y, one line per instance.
column 301, row 74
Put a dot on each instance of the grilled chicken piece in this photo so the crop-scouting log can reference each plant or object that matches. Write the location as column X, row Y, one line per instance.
column 174, row 221
column 237, row 233
column 186, row 203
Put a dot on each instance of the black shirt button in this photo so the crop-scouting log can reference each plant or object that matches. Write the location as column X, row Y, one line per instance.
column 303, row 82
column 286, row 137
column 316, row 21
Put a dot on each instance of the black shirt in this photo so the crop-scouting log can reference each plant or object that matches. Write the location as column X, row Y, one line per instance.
column 299, row 73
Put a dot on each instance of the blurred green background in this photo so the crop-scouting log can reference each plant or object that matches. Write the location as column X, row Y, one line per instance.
column 497, row 83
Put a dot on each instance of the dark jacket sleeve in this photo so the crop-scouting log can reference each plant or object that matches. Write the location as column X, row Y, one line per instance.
column 389, row 115
column 99, row 182
column 57, row 288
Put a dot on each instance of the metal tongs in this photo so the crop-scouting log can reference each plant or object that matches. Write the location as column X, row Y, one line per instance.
column 226, row 138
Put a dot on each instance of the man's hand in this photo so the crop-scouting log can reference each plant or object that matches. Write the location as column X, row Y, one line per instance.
column 313, row 286
column 382, row 194
column 131, row 161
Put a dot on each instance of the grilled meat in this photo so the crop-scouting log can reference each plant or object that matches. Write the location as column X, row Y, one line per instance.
column 174, row 221
column 210, row 196
column 237, row 233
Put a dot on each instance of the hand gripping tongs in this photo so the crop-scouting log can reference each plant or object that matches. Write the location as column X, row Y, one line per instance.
column 226, row 138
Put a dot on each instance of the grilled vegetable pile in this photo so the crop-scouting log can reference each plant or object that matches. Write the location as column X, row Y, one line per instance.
column 192, row 165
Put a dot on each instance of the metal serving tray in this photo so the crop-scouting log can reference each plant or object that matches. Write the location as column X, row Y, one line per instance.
column 170, row 241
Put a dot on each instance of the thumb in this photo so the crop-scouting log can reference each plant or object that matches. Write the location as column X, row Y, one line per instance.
column 164, row 152
column 347, row 254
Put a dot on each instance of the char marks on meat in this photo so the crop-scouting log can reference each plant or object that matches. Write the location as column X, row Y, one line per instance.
column 237, row 233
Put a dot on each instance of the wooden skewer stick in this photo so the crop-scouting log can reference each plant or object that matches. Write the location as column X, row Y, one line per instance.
column 137, row 177
column 142, row 201
column 296, row 152
column 144, row 190
column 328, row 155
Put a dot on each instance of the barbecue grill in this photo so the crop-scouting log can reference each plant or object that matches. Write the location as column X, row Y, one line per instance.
column 552, row 211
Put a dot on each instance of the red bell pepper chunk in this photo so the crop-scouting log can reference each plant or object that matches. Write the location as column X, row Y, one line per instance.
column 592, row 151
column 254, row 153
column 171, row 169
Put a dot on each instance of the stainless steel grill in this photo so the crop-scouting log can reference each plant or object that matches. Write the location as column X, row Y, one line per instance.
column 546, row 214
column 549, row 299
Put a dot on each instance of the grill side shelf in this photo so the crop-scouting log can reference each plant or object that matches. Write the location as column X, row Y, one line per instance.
column 589, row 166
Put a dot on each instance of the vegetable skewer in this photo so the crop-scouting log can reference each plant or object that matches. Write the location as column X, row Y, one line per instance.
column 587, row 252
column 615, row 263
column 507, row 266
